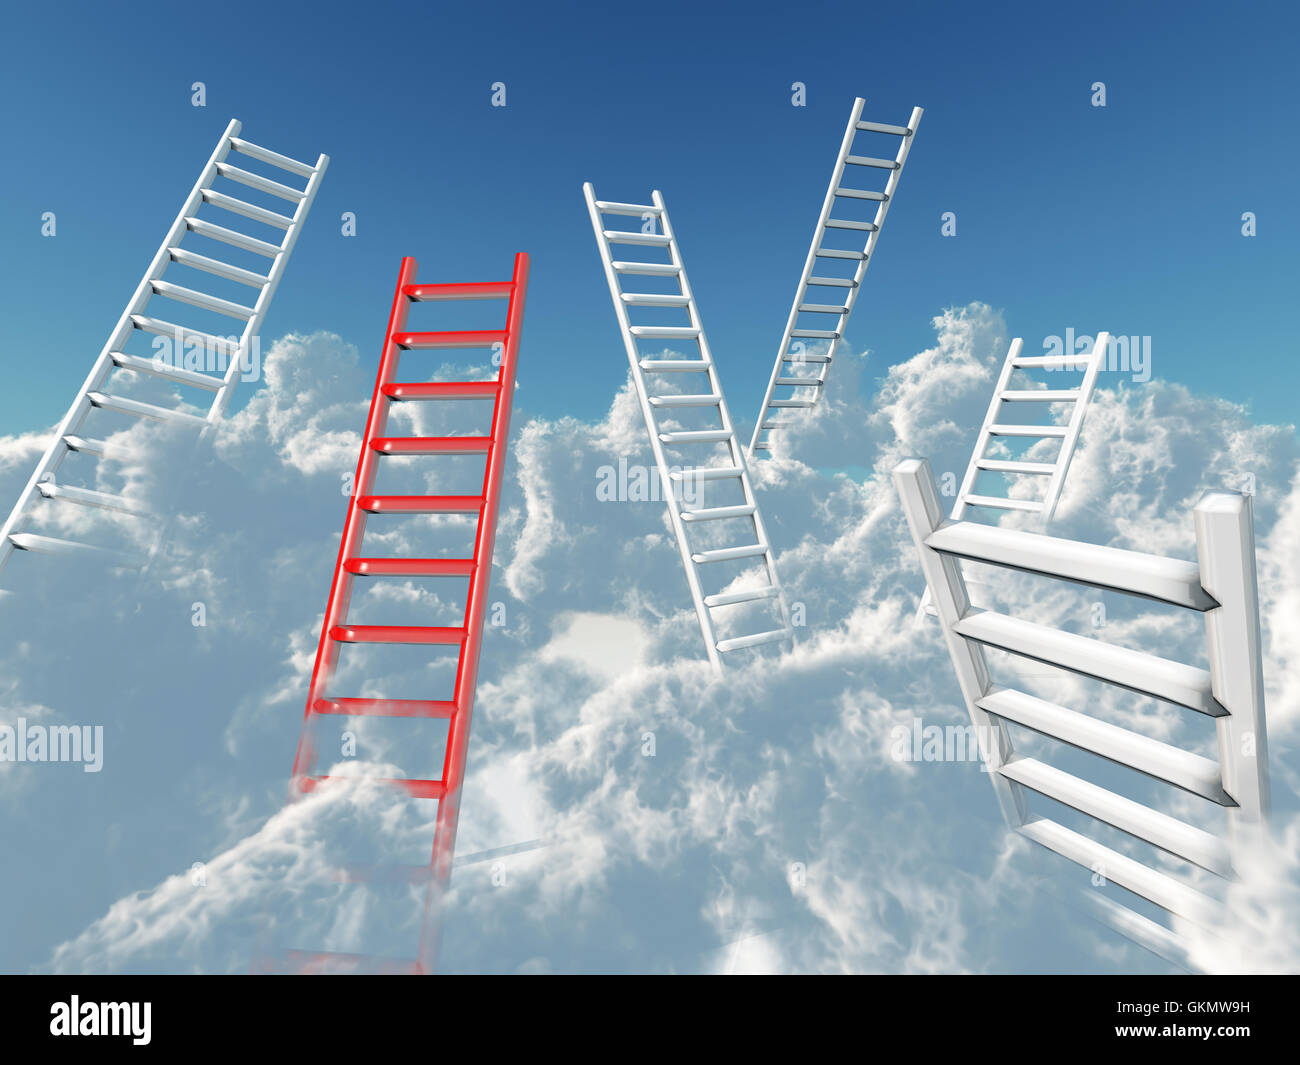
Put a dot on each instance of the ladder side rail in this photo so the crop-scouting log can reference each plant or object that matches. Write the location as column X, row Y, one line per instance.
column 920, row 500
column 476, row 603
column 1071, row 438
column 846, row 148
column 982, row 440
column 656, row 446
column 355, row 522
column 103, row 366
column 221, row 401
column 733, row 444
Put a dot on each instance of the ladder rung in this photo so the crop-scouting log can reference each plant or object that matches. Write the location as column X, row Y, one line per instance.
column 742, row 510
column 1027, row 430
column 52, row 545
column 749, row 596
column 707, row 473
column 122, row 405
column 636, row 210
column 800, row 382
column 775, row 636
column 85, row 445
column 1039, row 395
column 248, row 210
column 836, row 282
column 1053, row 362
column 422, row 634
column 727, row 554
column 844, row 223
column 420, row 504
column 793, row 402
column 472, row 290
column 256, row 181
column 1194, row 844
column 695, row 436
column 1002, row 503
column 777, row 425
column 435, row 708
column 839, row 253
column 254, row 151
column 798, row 357
column 184, row 336
column 866, row 160
column 475, row 338
column 228, row 236
column 711, row 399
column 417, row 789
column 880, row 127
column 861, row 194
column 89, row 498
column 409, row 567
column 674, row 365
column 822, row 308
column 652, row 299
column 1164, row 890
column 215, row 266
column 1003, row 466
column 647, row 269
column 815, row 334
column 442, row 390
column 664, row 332
column 158, row 368
column 201, row 299
column 432, row 445
column 1155, row 758
column 633, row 236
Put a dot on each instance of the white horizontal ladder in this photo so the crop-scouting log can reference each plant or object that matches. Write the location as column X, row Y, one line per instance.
column 808, row 390
column 1221, row 584
column 96, row 391
column 656, row 401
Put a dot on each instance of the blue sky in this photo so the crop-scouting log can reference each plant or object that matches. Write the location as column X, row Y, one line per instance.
column 1125, row 218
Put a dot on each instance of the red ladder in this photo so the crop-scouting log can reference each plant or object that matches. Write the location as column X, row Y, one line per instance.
column 352, row 563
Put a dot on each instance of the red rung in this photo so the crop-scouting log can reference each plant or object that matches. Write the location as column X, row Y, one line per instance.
column 432, row 445
column 417, row 789
column 474, row 338
column 312, row 963
column 474, row 290
column 410, row 567
column 432, row 708
column 443, row 390
column 430, row 634
column 420, row 504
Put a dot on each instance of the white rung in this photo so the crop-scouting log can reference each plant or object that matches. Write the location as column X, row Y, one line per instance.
column 733, row 598
column 203, row 300
column 1052, row 362
column 815, row 334
column 834, row 282
column 256, row 181
column 185, row 337
column 695, row 436
column 718, row 513
column 85, row 445
column 711, row 399
column 1027, row 430
column 89, row 498
column 796, row 356
column 158, row 368
column 1039, row 395
column 1007, row 466
column 647, row 269
column 215, row 266
column 53, row 545
column 880, row 127
column 1004, row 503
column 843, row 223
column 866, row 160
column 839, row 253
column 133, row 407
column 861, row 194
column 710, row 395
column 254, row 151
column 795, row 403
column 740, row 642
column 730, row 554
column 248, row 210
column 800, row 382
column 822, row 308
column 633, row 236
column 636, row 210
column 213, row 231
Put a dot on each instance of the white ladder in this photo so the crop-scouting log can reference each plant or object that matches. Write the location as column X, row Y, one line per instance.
column 93, row 395
column 657, row 232
column 1068, row 434
column 805, row 390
